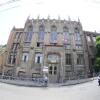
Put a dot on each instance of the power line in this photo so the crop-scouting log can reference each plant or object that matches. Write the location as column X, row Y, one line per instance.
column 8, row 2
column 9, row 8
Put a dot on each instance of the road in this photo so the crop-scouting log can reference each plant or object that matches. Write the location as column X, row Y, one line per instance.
column 85, row 91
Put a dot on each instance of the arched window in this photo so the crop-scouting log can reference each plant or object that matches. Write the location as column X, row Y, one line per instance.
column 30, row 28
column 28, row 36
column 77, row 35
column 76, row 30
column 53, row 58
column 53, row 28
column 66, row 35
column 78, row 38
column 65, row 29
column 41, row 33
column 53, row 35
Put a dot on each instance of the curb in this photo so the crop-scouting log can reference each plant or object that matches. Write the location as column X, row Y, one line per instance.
column 31, row 84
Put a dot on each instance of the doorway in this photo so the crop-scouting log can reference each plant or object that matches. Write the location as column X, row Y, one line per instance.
column 53, row 73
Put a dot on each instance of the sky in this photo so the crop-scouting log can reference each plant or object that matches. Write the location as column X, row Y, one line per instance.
column 15, row 13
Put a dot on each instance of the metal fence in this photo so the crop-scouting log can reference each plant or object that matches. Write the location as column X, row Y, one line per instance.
column 36, row 81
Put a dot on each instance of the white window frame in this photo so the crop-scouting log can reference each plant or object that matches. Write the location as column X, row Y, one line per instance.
column 41, row 58
column 25, row 55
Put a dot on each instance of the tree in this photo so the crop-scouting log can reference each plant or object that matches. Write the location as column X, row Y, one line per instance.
column 97, row 62
column 97, row 66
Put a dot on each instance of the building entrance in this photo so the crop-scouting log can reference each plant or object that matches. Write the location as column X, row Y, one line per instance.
column 53, row 73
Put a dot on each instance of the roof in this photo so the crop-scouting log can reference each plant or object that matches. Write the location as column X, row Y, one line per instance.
column 93, row 33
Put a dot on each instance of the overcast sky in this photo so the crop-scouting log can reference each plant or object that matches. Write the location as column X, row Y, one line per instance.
column 16, row 13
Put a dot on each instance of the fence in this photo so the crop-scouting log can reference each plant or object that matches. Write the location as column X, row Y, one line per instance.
column 23, row 81
column 39, row 81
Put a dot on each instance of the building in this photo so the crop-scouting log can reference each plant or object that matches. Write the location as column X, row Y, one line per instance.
column 90, row 38
column 2, row 57
column 61, row 45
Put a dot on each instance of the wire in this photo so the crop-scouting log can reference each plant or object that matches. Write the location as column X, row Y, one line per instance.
column 9, row 8
column 8, row 2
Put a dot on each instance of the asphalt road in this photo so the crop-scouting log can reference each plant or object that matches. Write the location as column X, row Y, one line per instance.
column 85, row 91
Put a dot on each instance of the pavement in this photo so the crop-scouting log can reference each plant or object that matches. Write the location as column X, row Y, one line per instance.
column 85, row 91
column 37, row 84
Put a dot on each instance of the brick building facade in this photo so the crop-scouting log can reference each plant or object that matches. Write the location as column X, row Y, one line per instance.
column 62, row 45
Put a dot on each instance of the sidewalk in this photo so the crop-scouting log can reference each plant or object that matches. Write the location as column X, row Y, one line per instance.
column 73, row 82
column 38, row 84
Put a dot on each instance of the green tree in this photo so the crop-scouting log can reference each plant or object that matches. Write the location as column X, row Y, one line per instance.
column 97, row 65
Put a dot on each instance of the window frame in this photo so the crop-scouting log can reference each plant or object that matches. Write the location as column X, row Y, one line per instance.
column 38, row 58
column 28, row 36
column 25, row 57
column 68, row 59
column 17, row 36
column 53, row 34
column 41, row 33
column 80, row 59
column 12, row 59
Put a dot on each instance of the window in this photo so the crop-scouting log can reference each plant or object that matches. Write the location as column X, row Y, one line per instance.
column 94, row 39
column 68, row 59
column 26, row 44
column 67, row 46
column 36, row 75
column 17, row 36
column 39, row 58
column 53, row 35
column 55, row 70
column 38, row 44
column 14, row 46
column 80, row 59
column 78, row 46
column 30, row 28
column 41, row 34
column 21, row 74
column 66, row 35
column 25, row 57
column 68, row 74
column 80, row 73
column 12, row 59
column 78, row 42
column 28, row 37
column 88, row 39
column 9, row 73
column 50, row 70
column 92, row 61
column 91, row 49
column 77, row 36
column 53, row 58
